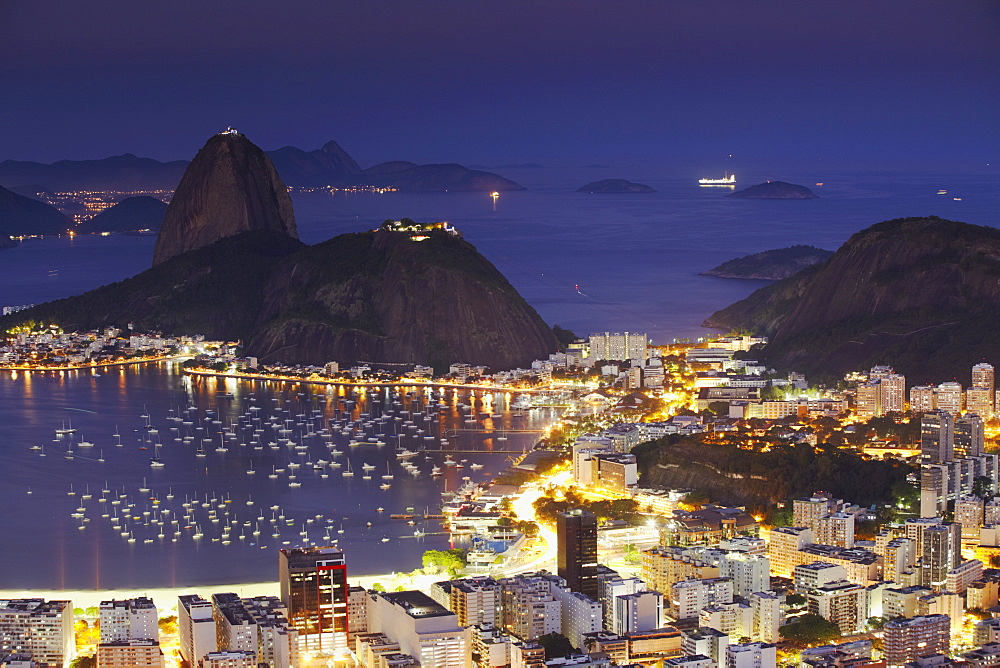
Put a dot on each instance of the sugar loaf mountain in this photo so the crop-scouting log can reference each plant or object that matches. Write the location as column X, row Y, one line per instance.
column 228, row 263
column 921, row 294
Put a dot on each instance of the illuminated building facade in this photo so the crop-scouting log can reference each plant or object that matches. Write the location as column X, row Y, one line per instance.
column 314, row 589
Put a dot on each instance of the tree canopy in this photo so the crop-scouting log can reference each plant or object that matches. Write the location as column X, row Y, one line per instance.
column 810, row 630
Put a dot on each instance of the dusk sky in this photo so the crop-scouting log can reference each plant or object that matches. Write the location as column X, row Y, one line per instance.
column 489, row 82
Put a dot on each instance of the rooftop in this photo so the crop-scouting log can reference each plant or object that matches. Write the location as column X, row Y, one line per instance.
column 416, row 603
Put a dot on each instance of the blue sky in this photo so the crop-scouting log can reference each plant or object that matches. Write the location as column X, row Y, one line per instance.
column 491, row 82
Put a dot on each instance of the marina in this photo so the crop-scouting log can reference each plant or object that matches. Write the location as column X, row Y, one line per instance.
column 167, row 476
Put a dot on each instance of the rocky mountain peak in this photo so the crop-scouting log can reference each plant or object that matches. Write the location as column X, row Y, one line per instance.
column 230, row 187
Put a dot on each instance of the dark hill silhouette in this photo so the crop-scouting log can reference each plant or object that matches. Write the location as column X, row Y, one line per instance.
column 921, row 294
column 131, row 214
column 23, row 216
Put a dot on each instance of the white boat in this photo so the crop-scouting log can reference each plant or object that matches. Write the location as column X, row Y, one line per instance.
column 727, row 180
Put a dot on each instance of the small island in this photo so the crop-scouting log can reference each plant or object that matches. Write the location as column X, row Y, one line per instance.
column 775, row 190
column 771, row 265
column 615, row 186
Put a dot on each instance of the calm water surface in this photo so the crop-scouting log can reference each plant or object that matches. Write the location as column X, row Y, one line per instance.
column 45, row 547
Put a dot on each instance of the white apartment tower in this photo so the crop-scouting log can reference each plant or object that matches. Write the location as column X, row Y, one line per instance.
column 196, row 628
column 983, row 376
column 949, row 397
column 132, row 619
column 618, row 346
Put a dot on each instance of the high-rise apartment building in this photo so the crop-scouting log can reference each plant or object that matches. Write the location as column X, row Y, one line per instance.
column 529, row 609
column 640, row 611
column 576, row 537
column 883, row 393
column 132, row 619
column 949, row 397
column 767, row 615
column 937, row 437
column 907, row 639
column 836, row 529
column 783, row 549
column 969, row 515
column 940, row 552
column 980, row 400
column 618, row 346
column 235, row 628
column 314, row 588
column 983, row 376
column 969, row 436
column 662, row 567
column 688, row 597
column 923, row 399
column 475, row 601
column 843, row 603
column 42, row 630
column 424, row 629
column 808, row 511
column 751, row 655
column 750, row 573
column 196, row 628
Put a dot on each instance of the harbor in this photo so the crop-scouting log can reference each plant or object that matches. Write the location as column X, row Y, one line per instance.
column 203, row 478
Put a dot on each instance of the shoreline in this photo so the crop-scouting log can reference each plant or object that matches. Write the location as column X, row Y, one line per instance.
column 92, row 366
column 166, row 597
column 395, row 383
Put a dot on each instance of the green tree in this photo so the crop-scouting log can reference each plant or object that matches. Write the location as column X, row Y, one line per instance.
column 378, row 586
column 449, row 561
column 556, row 645
column 168, row 625
column 982, row 487
column 810, row 630
column 84, row 662
column 564, row 336
column 905, row 496
column 795, row 600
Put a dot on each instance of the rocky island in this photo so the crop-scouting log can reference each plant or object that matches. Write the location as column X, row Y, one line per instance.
column 920, row 294
column 228, row 264
column 771, row 265
column 775, row 190
column 615, row 186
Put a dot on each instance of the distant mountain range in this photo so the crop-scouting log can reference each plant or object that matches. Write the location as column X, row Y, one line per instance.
column 326, row 166
column 920, row 294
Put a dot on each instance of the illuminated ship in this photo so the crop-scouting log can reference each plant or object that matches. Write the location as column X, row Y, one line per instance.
column 728, row 180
